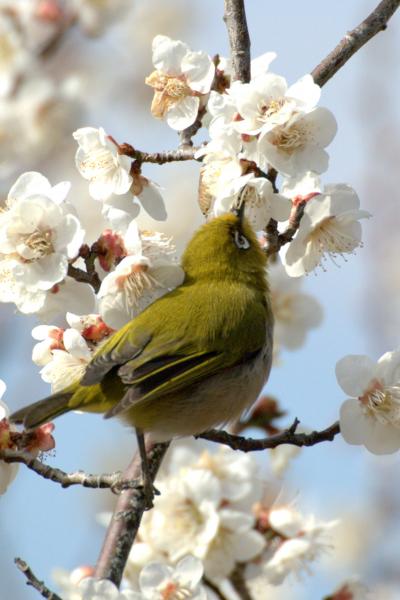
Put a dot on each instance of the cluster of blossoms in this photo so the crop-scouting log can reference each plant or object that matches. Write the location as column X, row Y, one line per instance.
column 39, row 440
column 210, row 517
column 36, row 112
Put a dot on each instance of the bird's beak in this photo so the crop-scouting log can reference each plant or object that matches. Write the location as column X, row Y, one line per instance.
column 238, row 208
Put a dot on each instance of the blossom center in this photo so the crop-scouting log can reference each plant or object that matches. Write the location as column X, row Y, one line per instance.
column 267, row 109
column 329, row 238
column 288, row 138
column 382, row 402
column 100, row 161
column 173, row 591
column 168, row 91
column 40, row 243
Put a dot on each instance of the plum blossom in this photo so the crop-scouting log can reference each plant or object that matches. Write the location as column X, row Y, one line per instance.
column 181, row 81
column 225, row 178
column 95, row 17
column 296, row 541
column 295, row 312
column 143, row 193
column 8, row 471
column 96, row 589
column 99, row 161
column 190, row 518
column 158, row 581
column 329, row 227
column 292, row 132
column 237, row 472
column 267, row 102
column 371, row 416
column 65, row 353
column 14, row 57
column 38, row 235
column 261, row 203
column 147, row 272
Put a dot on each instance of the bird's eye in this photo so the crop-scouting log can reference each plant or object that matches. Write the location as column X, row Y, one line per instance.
column 241, row 241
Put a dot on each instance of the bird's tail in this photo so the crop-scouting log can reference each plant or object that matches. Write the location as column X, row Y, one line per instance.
column 44, row 410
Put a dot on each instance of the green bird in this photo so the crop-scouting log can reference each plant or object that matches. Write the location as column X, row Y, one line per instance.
column 193, row 360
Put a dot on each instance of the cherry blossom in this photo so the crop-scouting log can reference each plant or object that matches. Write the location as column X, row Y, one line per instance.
column 38, row 234
column 190, row 518
column 329, row 227
column 65, row 353
column 302, row 541
column 147, row 272
column 371, row 416
column 181, row 79
column 158, row 581
column 99, row 161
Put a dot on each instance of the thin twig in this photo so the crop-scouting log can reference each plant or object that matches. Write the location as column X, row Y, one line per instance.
column 354, row 40
column 34, row 581
column 159, row 158
column 84, row 277
column 239, row 39
column 238, row 581
column 237, row 442
column 275, row 239
column 186, row 135
column 126, row 519
column 214, row 588
column 114, row 481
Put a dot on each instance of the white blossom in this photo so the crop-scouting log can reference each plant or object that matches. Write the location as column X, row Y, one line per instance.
column 38, row 235
column 103, row 589
column 65, row 353
column 237, row 472
column 98, row 160
column 80, row 584
column 267, row 102
column 95, row 17
column 371, row 416
column 189, row 518
column 329, row 227
column 8, row 471
column 261, row 203
column 295, row 312
column 14, row 57
column 70, row 295
column 158, row 581
column 303, row 541
column 147, row 272
column 181, row 79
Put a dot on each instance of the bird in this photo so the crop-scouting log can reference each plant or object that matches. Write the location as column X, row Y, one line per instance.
column 194, row 359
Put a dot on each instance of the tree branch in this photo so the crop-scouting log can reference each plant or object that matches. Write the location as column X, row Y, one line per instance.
column 34, row 581
column 275, row 239
column 354, row 40
column 159, row 158
column 239, row 39
column 238, row 442
column 126, row 519
column 114, row 481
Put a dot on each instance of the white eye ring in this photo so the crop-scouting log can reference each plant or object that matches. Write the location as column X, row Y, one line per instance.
column 241, row 242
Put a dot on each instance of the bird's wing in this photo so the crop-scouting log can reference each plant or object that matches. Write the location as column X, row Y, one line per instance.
column 164, row 375
column 122, row 347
